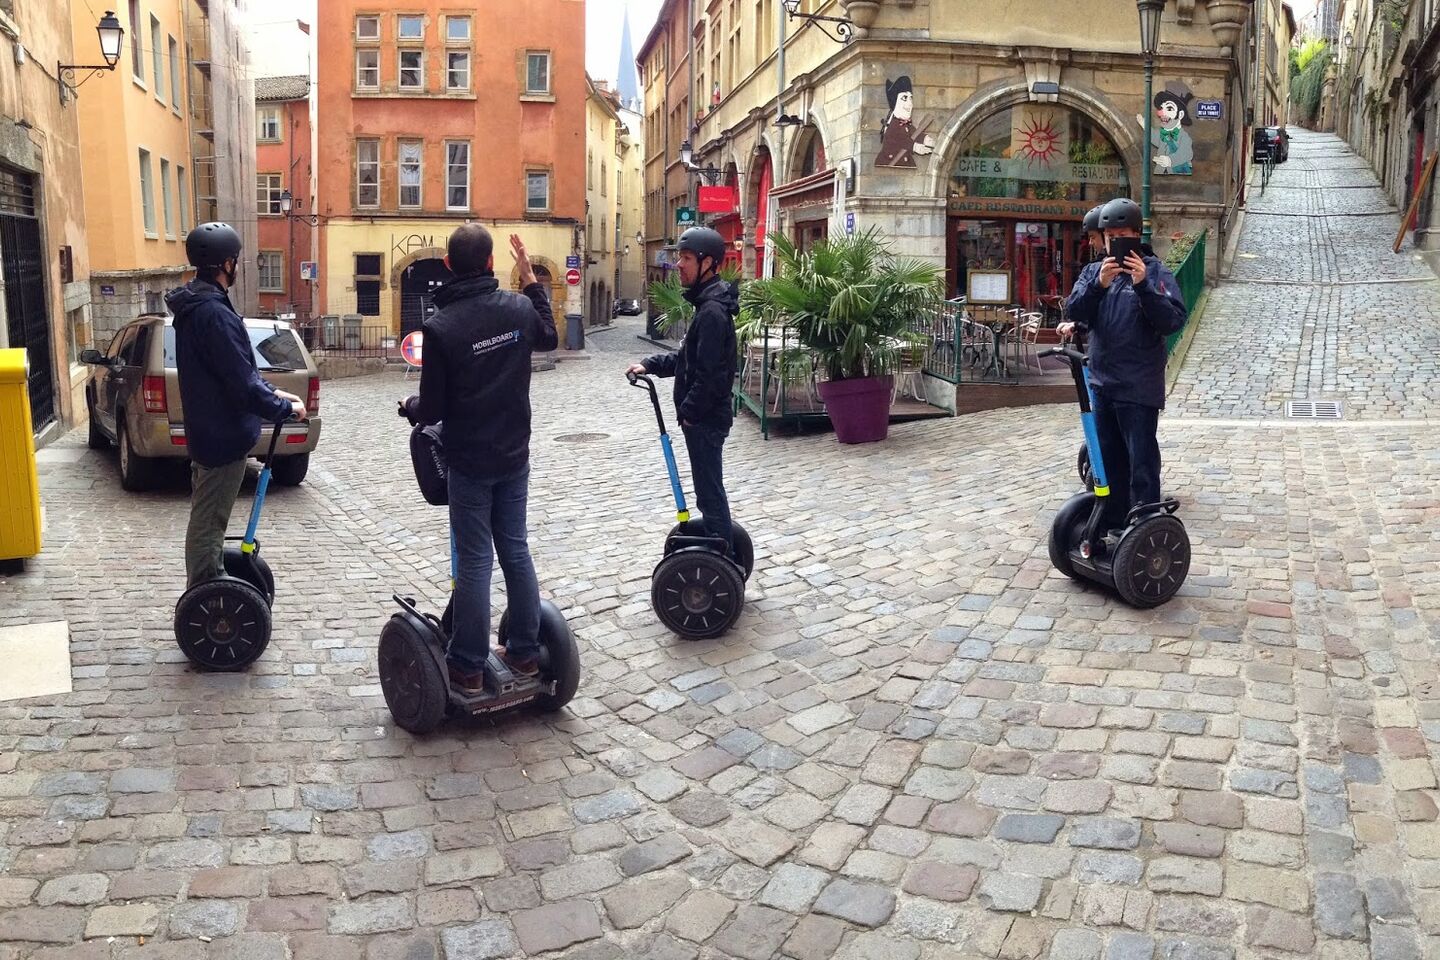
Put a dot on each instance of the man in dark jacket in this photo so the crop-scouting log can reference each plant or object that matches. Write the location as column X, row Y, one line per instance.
column 225, row 400
column 1127, row 309
column 476, row 379
column 704, row 371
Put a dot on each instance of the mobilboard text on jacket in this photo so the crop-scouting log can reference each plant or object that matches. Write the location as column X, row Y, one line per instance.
column 476, row 374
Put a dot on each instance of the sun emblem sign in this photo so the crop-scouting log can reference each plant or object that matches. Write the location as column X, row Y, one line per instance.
column 1039, row 142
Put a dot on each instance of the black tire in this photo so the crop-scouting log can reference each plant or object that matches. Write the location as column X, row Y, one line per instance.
column 416, row 690
column 96, row 439
column 222, row 624
column 290, row 471
column 136, row 472
column 1082, row 467
column 1152, row 561
column 697, row 594
column 559, row 658
column 258, row 574
column 1066, row 529
column 740, row 540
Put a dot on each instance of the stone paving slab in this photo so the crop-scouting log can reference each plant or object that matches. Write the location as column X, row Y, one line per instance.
column 918, row 742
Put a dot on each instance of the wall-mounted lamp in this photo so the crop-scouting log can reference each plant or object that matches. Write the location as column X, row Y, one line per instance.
column 110, row 33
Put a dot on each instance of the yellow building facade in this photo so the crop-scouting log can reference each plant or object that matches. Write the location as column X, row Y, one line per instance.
column 602, row 196
column 403, row 249
column 136, row 155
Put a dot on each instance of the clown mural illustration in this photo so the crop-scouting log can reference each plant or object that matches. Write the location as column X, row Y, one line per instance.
column 1172, row 150
column 900, row 142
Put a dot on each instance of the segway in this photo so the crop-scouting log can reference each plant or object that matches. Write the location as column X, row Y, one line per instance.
column 1146, row 563
column 414, row 677
column 698, row 588
column 224, row 624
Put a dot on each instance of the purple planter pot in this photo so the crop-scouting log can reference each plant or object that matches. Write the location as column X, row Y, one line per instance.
column 859, row 409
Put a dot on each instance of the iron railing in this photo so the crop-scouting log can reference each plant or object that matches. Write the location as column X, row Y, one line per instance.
column 972, row 344
column 347, row 336
column 1190, row 274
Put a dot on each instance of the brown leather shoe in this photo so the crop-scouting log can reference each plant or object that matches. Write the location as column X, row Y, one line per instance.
column 466, row 682
column 529, row 667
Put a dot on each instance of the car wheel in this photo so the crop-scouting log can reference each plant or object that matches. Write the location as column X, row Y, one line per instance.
column 136, row 472
column 97, row 439
column 290, row 471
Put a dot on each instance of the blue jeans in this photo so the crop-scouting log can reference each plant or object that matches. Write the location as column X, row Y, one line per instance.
column 706, row 445
column 482, row 513
column 1132, row 454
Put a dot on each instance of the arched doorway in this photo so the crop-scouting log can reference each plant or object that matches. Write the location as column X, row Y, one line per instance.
column 729, row 225
column 418, row 281
column 761, row 180
column 1020, row 182
column 811, row 222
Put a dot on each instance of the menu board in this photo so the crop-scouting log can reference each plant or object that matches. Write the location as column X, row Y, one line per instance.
column 988, row 286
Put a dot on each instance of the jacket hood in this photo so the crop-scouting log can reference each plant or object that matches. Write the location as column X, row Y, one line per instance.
column 183, row 301
column 718, row 291
column 462, row 288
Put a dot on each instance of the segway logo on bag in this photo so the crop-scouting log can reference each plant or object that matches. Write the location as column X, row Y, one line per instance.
column 495, row 342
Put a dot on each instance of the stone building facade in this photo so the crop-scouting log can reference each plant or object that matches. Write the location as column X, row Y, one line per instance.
column 971, row 139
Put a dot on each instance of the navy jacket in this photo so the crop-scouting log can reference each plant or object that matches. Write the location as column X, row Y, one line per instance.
column 1127, row 326
column 476, row 374
column 226, row 402
column 704, row 368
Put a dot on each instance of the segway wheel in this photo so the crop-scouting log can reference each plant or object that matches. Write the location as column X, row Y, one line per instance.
column 1066, row 530
column 222, row 624
column 559, row 658
column 1082, row 467
column 1152, row 561
column 415, row 688
column 744, row 547
column 697, row 594
column 254, row 571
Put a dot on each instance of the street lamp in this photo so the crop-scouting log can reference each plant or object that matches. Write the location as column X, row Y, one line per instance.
column 844, row 26
column 687, row 160
column 287, row 204
column 1150, row 11
column 110, row 33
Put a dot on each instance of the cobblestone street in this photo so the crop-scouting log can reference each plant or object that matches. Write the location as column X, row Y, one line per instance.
column 919, row 742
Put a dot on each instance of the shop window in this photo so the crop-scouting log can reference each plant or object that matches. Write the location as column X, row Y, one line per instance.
column 1039, row 152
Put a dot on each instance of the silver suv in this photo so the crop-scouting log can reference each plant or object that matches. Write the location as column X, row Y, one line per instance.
column 134, row 398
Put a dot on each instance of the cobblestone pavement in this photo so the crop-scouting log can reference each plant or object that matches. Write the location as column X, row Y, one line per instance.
column 1318, row 307
column 919, row 741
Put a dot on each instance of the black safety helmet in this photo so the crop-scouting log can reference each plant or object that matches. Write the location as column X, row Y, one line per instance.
column 1092, row 219
column 1121, row 213
column 210, row 244
column 704, row 242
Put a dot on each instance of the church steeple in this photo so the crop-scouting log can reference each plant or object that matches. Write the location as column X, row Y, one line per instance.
column 627, row 80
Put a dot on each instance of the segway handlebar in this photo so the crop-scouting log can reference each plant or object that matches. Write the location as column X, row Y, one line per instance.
column 1066, row 351
column 275, row 434
column 644, row 380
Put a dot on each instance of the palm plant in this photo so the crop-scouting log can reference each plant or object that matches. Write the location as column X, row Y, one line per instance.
column 667, row 300
column 849, row 300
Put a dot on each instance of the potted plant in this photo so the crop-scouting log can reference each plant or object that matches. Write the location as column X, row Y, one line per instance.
column 855, row 306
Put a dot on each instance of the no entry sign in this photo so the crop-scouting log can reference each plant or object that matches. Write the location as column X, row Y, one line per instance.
column 572, row 277
column 410, row 347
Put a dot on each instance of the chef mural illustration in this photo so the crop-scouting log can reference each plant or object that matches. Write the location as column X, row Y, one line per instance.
column 900, row 142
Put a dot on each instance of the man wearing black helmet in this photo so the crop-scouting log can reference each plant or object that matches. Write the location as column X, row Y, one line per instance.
column 1094, row 239
column 224, row 397
column 1128, row 307
column 704, row 372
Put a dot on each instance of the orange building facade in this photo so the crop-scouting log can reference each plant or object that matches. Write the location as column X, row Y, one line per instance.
column 431, row 114
column 283, row 164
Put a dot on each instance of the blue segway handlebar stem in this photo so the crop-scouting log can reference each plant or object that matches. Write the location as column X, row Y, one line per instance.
column 682, row 513
column 261, row 486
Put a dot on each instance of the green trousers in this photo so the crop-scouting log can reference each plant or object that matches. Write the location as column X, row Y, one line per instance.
column 212, row 497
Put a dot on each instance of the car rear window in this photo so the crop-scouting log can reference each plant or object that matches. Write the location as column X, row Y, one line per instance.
column 276, row 349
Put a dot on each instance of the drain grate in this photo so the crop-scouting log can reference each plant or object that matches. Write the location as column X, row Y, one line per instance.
column 1313, row 409
column 581, row 437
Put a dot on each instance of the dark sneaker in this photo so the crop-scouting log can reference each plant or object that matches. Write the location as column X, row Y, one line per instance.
column 528, row 666
column 465, row 681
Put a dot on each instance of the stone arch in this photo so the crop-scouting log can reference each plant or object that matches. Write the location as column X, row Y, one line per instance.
column 815, row 126
column 545, row 272
column 397, row 282
column 1001, row 95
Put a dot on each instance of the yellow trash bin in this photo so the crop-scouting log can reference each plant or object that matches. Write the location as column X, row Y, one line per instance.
column 19, row 482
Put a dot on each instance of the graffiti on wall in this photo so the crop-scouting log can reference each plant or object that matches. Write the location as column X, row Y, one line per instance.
column 1171, row 148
